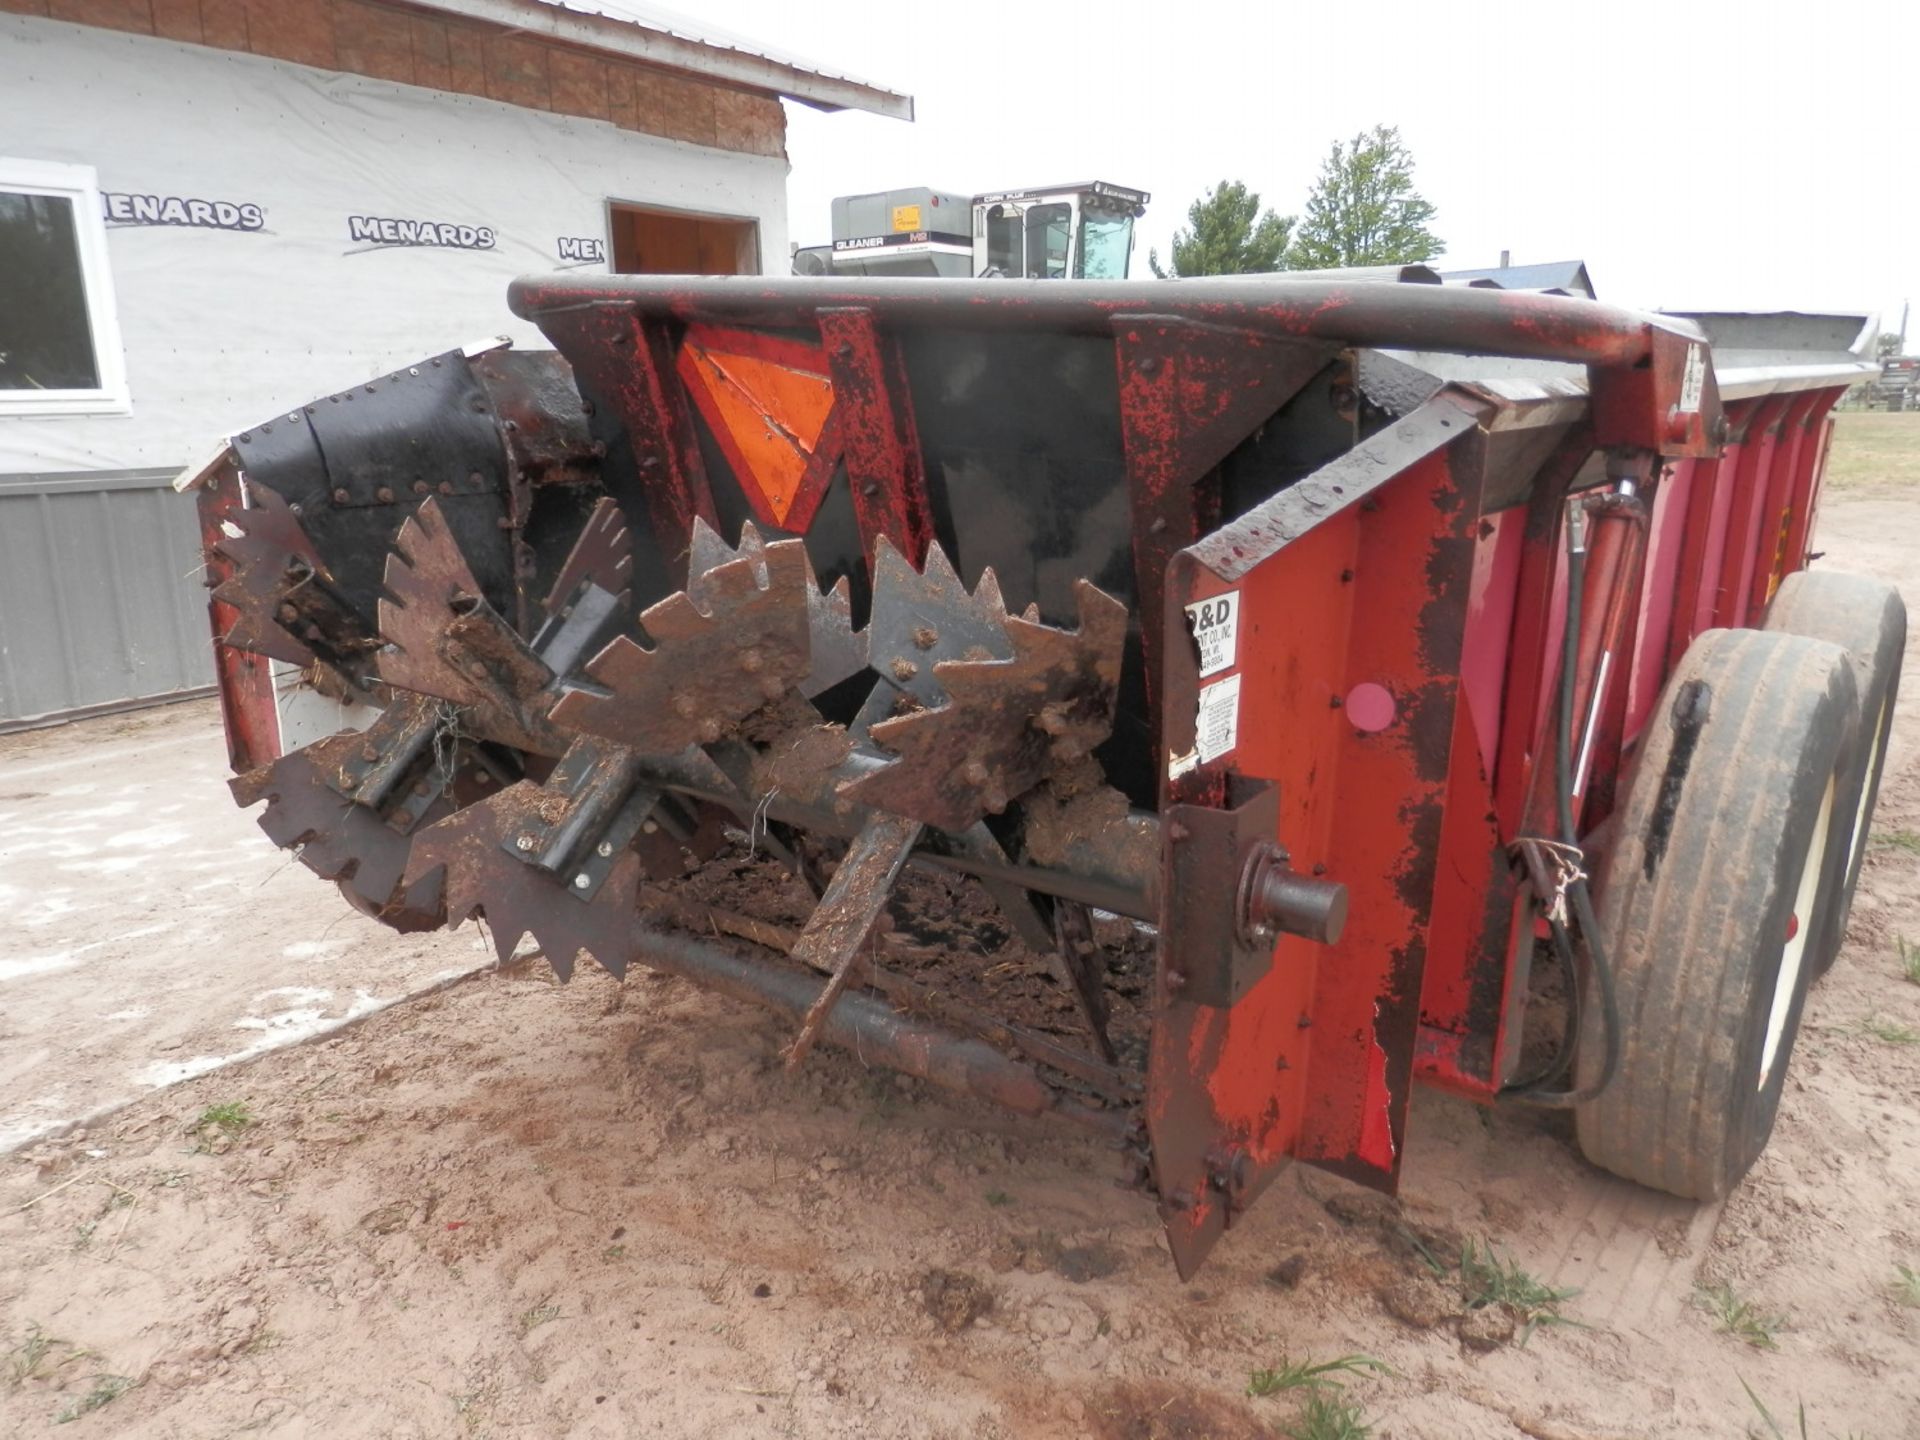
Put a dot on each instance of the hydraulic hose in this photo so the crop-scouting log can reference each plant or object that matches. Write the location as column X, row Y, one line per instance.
column 1535, row 1090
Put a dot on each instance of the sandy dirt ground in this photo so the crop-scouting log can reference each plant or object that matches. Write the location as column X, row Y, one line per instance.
column 512, row 1208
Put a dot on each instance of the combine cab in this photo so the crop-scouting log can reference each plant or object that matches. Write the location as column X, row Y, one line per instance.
column 1057, row 232
column 1198, row 711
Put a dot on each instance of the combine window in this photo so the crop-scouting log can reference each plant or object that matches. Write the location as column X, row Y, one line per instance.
column 59, row 344
column 670, row 242
column 1106, row 241
column 1049, row 229
column 1003, row 240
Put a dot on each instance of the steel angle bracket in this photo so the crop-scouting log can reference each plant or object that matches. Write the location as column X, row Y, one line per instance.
column 1208, row 957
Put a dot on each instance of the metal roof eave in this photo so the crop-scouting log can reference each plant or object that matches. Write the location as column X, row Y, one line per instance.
column 630, row 37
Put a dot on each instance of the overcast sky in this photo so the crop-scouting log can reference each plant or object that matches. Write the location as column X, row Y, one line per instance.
column 1696, row 153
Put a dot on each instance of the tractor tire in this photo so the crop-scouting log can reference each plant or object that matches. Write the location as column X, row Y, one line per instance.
column 1868, row 619
column 1706, row 902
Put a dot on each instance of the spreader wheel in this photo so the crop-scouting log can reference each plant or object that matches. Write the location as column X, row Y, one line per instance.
column 1708, row 903
column 1869, row 619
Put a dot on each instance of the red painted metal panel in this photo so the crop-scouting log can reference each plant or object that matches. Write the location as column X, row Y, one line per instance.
column 1490, row 608
column 1806, row 502
column 1382, row 559
column 1745, row 501
column 1667, row 527
column 247, row 711
column 1791, row 459
column 627, row 364
column 879, row 438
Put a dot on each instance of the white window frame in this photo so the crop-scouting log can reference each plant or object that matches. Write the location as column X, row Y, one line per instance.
column 81, row 185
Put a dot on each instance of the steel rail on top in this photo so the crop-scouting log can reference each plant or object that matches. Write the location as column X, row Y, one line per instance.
column 1374, row 314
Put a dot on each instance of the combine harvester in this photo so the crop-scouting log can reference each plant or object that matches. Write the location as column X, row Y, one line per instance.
column 1196, row 710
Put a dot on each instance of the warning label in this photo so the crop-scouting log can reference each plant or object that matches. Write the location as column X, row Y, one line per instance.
column 1215, row 622
column 1693, row 380
column 1217, row 726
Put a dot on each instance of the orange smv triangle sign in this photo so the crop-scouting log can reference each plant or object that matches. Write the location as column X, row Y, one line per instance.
column 766, row 411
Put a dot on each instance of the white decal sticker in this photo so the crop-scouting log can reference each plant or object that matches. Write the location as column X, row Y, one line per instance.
column 1215, row 623
column 1217, row 726
column 1693, row 379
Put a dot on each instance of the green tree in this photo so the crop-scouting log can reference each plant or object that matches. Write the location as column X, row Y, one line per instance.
column 1887, row 346
column 1228, row 234
column 1364, row 209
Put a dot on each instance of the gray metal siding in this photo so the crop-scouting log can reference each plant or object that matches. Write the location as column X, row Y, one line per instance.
column 100, row 596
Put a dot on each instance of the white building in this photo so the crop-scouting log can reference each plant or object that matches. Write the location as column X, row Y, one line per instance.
column 210, row 209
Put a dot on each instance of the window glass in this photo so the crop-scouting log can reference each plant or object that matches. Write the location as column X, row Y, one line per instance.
column 46, row 336
column 1105, row 241
column 1048, row 233
column 1003, row 240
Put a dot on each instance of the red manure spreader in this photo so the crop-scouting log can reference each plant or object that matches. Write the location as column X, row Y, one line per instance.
column 1199, row 710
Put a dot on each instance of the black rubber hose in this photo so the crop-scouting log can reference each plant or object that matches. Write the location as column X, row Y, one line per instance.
column 1532, row 1092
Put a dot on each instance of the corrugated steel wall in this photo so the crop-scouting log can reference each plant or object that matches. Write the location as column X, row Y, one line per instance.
column 100, row 596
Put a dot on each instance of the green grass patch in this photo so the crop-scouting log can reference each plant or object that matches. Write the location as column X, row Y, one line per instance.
column 1906, row 1285
column 1774, row 1432
column 1486, row 1278
column 105, row 1390
column 1888, row 1032
column 1328, row 1416
column 220, row 1125
column 538, row 1316
column 1739, row 1317
column 1306, row 1375
column 1874, row 448
column 1909, row 959
column 999, row 1198
column 1907, row 841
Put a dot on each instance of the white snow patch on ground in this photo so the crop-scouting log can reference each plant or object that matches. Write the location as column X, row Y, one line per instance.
column 302, row 1024
column 154, row 837
column 312, row 949
column 38, row 964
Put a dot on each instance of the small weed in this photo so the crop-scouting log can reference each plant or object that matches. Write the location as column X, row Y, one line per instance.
column 1487, row 1279
column 999, row 1198
column 1906, row 1285
column 219, row 1125
column 1774, row 1431
column 1909, row 959
column 1328, row 1417
column 26, row 1358
column 1305, row 1375
column 1907, row 840
column 614, row 1252
column 1737, row 1317
column 538, row 1316
column 106, row 1389
column 1888, row 1032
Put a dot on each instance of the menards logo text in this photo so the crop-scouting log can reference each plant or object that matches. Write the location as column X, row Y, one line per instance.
column 379, row 230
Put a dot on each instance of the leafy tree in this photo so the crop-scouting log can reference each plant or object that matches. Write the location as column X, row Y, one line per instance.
column 1364, row 209
column 1228, row 234
column 1887, row 346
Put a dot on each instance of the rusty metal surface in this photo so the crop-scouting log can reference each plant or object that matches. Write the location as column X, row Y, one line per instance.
column 520, row 899
column 735, row 640
column 1001, row 726
column 341, row 840
column 835, row 650
column 1449, row 319
column 602, row 556
column 444, row 639
column 836, row 935
column 880, row 443
column 1190, row 392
